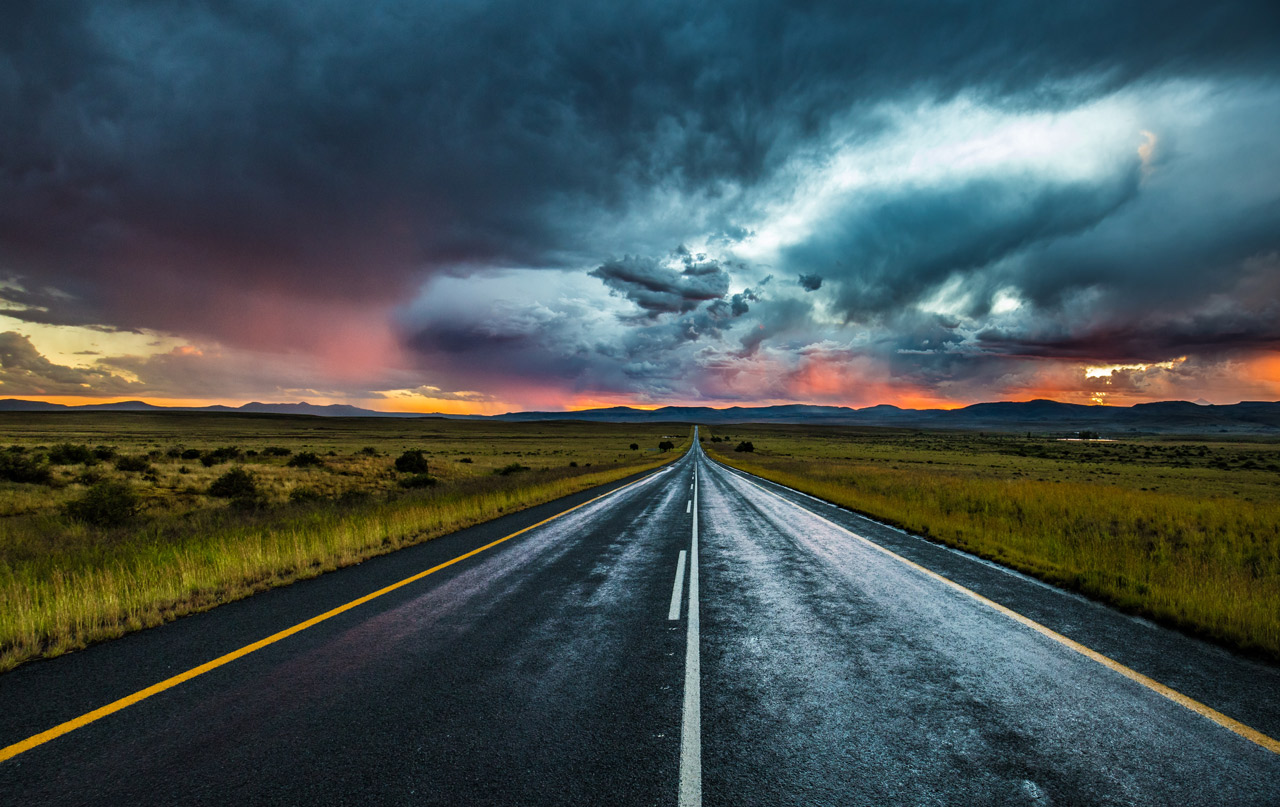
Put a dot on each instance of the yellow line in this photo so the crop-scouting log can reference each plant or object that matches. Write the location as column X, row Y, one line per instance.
column 1250, row 734
column 97, row 714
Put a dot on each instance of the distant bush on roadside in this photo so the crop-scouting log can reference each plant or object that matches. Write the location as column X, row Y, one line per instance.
column 16, row 466
column 68, row 454
column 666, row 445
column 276, row 451
column 105, row 504
column 190, row 454
column 412, row 462
column 635, row 446
column 235, row 484
column 745, row 445
column 105, row 452
column 368, row 451
column 306, row 459
column 304, row 495
column 513, row 468
column 418, row 481
column 133, row 464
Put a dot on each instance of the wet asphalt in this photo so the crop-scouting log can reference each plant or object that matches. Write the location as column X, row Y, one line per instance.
column 545, row 670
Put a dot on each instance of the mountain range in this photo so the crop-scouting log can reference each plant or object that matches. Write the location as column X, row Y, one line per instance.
column 1247, row 417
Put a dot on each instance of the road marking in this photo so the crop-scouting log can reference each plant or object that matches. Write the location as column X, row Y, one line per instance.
column 691, row 728
column 676, row 590
column 115, row 706
column 1230, row 724
column 688, row 508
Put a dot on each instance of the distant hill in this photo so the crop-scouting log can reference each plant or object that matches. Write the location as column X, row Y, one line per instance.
column 1167, row 417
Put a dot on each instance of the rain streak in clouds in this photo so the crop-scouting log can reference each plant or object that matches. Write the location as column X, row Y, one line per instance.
column 488, row 206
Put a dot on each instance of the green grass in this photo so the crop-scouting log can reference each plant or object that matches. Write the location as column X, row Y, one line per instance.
column 65, row 583
column 1186, row 532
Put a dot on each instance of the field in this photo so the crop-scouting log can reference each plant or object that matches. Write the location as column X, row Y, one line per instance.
column 112, row 522
column 1183, row 531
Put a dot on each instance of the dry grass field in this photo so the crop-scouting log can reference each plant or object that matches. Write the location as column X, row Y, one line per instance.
column 112, row 522
column 1184, row 531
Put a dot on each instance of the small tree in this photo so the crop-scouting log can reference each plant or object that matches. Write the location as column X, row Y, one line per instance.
column 635, row 446
column 68, row 454
column 106, row 504
column 235, row 484
column 305, row 459
column 744, row 446
column 666, row 445
column 15, row 466
column 412, row 462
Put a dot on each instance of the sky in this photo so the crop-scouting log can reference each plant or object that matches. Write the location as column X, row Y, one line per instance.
column 494, row 206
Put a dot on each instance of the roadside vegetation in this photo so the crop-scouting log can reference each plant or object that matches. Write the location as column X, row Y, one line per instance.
column 113, row 522
column 1183, row 531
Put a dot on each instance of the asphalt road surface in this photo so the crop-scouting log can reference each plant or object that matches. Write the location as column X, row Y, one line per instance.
column 693, row 636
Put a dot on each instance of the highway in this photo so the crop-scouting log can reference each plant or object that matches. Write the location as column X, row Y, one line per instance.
column 690, row 636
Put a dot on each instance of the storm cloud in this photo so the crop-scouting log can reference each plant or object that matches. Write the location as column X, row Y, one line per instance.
column 964, row 193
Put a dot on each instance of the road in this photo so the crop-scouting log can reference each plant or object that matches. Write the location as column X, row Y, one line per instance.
column 693, row 636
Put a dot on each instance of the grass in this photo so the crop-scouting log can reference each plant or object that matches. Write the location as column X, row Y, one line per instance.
column 1186, row 532
column 65, row 583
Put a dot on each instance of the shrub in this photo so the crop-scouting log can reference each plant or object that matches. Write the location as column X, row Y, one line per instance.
column 68, row 454
column 666, row 445
column 234, row 484
column 418, row 481
column 306, row 459
column 744, row 446
column 209, row 460
column 16, row 466
column 276, row 451
column 304, row 495
column 133, row 464
column 412, row 462
column 106, row 504
column 190, row 454
column 635, row 446
column 105, row 453
column 367, row 451
column 467, row 460
column 513, row 468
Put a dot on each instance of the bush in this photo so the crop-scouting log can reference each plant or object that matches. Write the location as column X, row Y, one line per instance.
column 744, row 446
column 304, row 495
column 133, row 464
column 190, row 454
column 418, row 481
column 106, row 504
column 635, row 446
column 411, row 462
column 513, row 468
column 307, row 459
column 276, row 451
column 666, row 445
column 15, row 466
column 467, row 460
column 235, row 484
column 367, row 451
column 68, row 454
column 105, row 453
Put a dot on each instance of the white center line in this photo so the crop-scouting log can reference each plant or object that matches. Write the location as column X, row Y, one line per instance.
column 677, row 589
column 688, row 508
column 691, row 729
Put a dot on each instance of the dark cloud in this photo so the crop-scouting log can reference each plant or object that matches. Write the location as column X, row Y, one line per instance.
column 810, row 282
column 658, row 288
column 339, row 152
